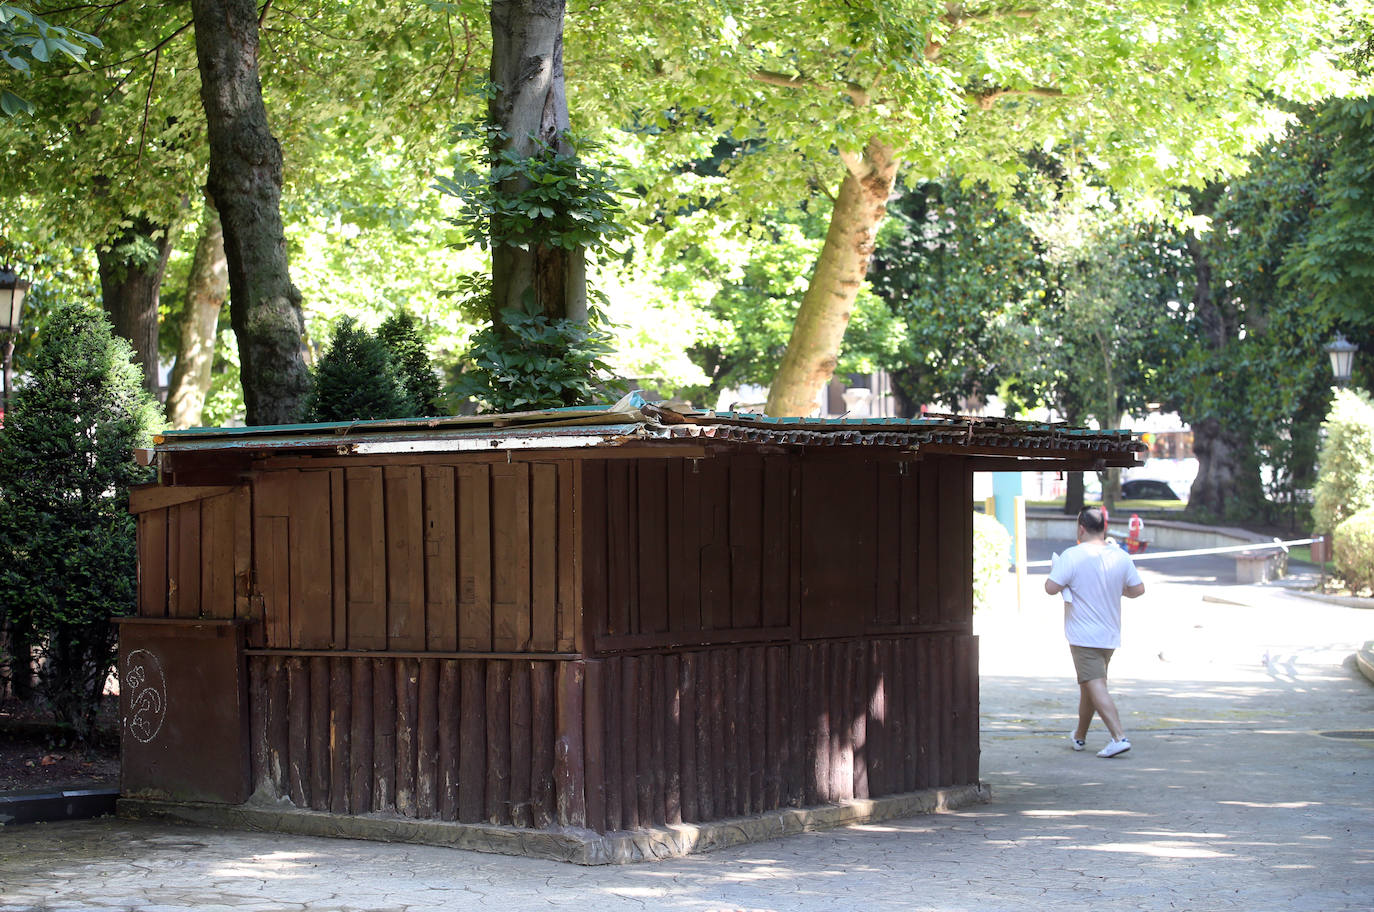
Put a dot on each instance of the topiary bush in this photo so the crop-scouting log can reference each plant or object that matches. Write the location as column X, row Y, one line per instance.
column 355, row 380
column 1345, row 466
column 1353, row 550
column 68, row 555
column 991, row 547
column 405, row 345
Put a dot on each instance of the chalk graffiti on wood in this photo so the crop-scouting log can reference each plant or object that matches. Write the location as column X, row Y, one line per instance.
column 147, row 695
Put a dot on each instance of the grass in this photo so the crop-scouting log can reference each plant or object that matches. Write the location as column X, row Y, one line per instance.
column 1127, row 506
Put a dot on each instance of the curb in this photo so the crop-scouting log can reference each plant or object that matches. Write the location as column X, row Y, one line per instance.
column 568, row 844
column 1347, row 601
column 49, row 805
column 1364, row 660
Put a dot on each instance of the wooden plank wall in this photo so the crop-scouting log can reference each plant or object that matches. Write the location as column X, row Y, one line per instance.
column 471, row 740
column 716, row 733
column 471, row 557
column 774, row 547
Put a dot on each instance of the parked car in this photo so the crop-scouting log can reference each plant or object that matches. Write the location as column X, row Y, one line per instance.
column 1148, row 489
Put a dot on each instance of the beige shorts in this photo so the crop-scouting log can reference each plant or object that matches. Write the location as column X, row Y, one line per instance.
column 1090, row 662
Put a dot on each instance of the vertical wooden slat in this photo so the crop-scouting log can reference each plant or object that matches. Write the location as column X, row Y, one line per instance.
column 362, row 756
column 152, row 563
column 338, row 520
column 818, row 725
column 725, row 686
column 651, row 773
column 946, row 701
column 427, row 742
column 912, row 557
column 776, row 722
column 714, row 550
column 521, row 736
column 613, row 741
column 450, row 745
column 841, row 734
column 498, row 742
column 622, row 590
column 887, row 545
column 928, row 570
column 243, row 563
column 544, row 558
column 858, row 725
column 757, row 722
column 571, row 557
column 365, row 558
column 405, row 557
column 474, row 558
column 594, row 532
column 687, row 739
column 796, row 768
column 651, row 544
column 472, row 782
column 340, row 734
column 739, row 684
column 569, row 765
column 685, row 589
column 631, row 736
column 953, row 508
column 671, row 677
column 217, row 557
column 319, row 733
column 543, row 740
column 406, row 680
column 257, row 724
column 746, row 540
column 777, row 539
column 312, row 569
column 186, row 549
column 278, row 724
column 876, row 730
column 441, row 560
column 383, row 687
column 899, row 751
column 510, row 557
column 298, row 732
column 707, row 712
column 922, row 696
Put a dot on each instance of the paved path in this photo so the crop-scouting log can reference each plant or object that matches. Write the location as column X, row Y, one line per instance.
column 1229, row 801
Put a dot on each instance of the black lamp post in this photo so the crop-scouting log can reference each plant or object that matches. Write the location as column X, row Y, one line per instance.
column 12, row 291
column 1342, row 352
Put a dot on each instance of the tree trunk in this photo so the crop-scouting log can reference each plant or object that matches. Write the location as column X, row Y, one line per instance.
column 1227, row 486
column 207, row 287
column 1073, row 493
column 531, row 108
column 245, row 186
column 814, row 348
column 131, row 269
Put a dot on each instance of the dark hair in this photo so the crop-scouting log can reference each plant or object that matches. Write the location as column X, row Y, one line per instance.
column 1093, row 520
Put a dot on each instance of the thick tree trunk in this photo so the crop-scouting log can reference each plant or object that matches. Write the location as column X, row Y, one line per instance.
column 814, row 348
column 131, row 270
column 531, row 107
column 207, row 287
column 1074, row 499
column 245, row 186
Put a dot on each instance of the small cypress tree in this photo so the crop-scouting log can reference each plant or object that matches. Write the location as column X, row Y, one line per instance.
column 1345, row 467
column 355, row 380
column 400, row 333
column 68, row 553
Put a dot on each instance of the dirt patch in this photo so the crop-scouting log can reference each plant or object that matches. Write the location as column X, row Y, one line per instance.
column 36, row 753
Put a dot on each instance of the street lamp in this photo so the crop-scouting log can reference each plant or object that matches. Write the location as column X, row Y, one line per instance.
column 12, row 291
column 1342, row 352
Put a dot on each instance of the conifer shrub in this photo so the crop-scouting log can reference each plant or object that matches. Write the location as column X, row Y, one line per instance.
column 1345, row 466
column 400, row 334
column 991, row 547
column 1352, row 549
column 68, row 554
column 355, row 380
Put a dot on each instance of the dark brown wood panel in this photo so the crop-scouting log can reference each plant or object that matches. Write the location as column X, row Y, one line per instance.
column 365, row 519
column 544, row 558
column 441, row 559
column 474, row 558
column 311, row 557
column 651, row 548
column 152, row 563
column 510, row 557
column 217, row 538
column 405, row 557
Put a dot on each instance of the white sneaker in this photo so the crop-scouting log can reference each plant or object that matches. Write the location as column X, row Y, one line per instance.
column 1077, row 743
column 1115, row 748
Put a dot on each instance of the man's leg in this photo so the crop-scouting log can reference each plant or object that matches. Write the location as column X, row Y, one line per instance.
column 1085, row 713
column 1093, row 695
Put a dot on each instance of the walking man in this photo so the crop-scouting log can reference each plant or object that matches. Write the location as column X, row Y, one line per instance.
column 1094, row 575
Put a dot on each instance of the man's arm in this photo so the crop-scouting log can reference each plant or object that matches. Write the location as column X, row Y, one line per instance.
column 1135, row 591
column 1054, row 588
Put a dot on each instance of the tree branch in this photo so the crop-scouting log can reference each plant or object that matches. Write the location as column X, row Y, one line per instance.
column 857, row 93
column 985, row 100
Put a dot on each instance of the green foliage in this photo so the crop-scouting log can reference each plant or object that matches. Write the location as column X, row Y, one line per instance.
column 67, row 541
column 533, row 362
column 1345, row 478
column 355, row 380
column 25, row 39
column 1353, row 550
column 400, row 334
column 991, row 545
column 555, row 197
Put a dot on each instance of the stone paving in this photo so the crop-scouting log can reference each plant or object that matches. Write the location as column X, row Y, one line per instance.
column 1230, row 800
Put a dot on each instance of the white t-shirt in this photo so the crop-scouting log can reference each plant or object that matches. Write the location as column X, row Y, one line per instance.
column 1094, row 573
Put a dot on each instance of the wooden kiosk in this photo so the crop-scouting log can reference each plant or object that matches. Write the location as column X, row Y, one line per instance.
column 588, row 634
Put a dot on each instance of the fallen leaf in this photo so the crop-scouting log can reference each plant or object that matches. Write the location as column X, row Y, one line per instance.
column 49, row 759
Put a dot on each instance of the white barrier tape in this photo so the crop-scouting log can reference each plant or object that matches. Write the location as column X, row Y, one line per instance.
column 1226, row 549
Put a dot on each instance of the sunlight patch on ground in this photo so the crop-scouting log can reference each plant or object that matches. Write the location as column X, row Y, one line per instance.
column 1283, row 805
column 1155, row 849
column 1081, row 813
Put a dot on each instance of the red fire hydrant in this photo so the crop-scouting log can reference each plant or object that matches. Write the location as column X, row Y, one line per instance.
column 1133, row 543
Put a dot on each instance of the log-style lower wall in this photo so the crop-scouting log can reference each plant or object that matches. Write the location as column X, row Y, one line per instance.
column 616, row 743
